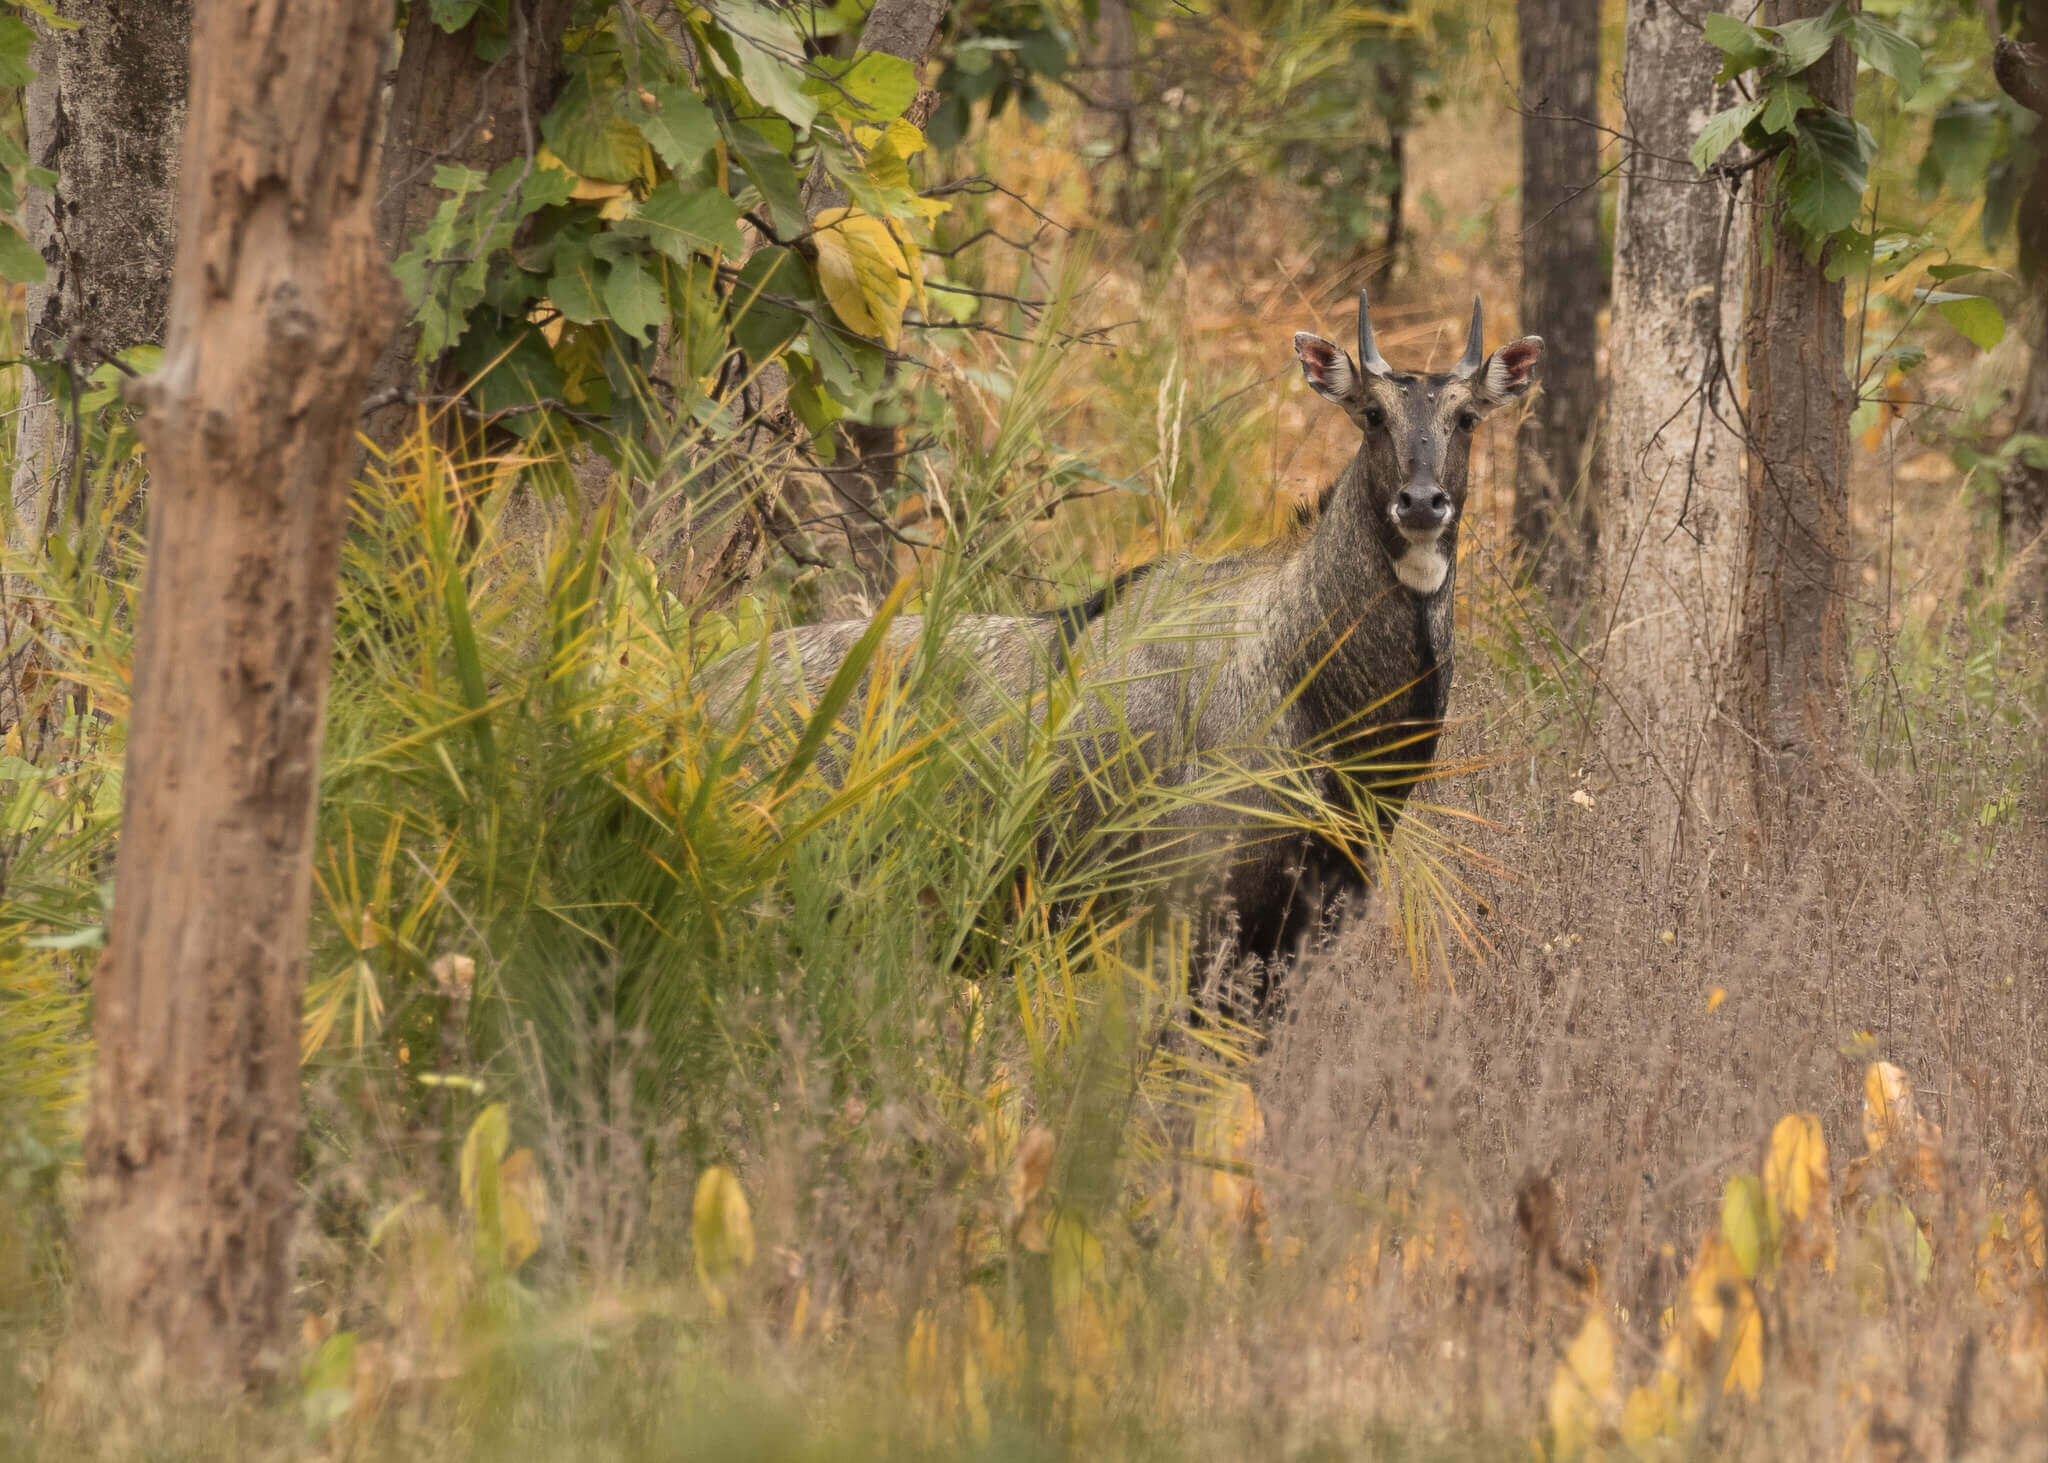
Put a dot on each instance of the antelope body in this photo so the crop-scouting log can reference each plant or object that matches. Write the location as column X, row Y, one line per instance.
column 1325, row 660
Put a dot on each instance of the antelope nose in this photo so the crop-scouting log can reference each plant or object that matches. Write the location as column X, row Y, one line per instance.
column 1426, row 503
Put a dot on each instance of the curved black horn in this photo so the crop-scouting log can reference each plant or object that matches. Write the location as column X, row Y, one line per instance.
column 1475, row 347
column 1369, row 354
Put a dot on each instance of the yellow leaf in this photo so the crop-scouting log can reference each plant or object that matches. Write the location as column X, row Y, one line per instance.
column 482, row 1150
column 901, row 137
column 1650, row 1413
column 2033, row 1230
column 1745, row 1225
column 1716, row 996
column 1796, row 1185
column 1893, row 1126
column 1027, row 1182
column 863, row 272
column 1582, row 1391
column 1227, row 1136
column 1746, row 1352
column 524, row 1206
column 1888, row 1106
column 1719, row 1324
column 721, row 1232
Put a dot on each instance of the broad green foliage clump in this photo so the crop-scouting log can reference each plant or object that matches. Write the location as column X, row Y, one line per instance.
column 1830, row 152
column 659, row 233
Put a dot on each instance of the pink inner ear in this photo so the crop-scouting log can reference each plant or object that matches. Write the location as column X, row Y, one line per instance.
column 1520, row 358
column 1318, row 355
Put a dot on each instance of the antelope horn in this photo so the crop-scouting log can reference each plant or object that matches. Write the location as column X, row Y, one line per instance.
column 1369, row 354
column 1475, row 348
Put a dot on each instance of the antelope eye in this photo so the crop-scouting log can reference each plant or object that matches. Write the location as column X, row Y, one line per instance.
column 1375, row 416
column 1467, row 420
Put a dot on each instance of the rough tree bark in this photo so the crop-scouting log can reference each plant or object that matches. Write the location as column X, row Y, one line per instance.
column 1670, row 549
column 103, row 113
column 2022, row 70
column 1791, row 664
column 1560, row 63
column 280, row 300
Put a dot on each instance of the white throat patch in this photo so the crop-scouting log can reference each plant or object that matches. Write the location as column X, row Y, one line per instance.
column 1423, row 567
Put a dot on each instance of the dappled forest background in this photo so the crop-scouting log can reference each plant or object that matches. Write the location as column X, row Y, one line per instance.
column 670, row 1086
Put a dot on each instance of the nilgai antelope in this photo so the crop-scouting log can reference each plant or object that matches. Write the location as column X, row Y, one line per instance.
column 1315, row 671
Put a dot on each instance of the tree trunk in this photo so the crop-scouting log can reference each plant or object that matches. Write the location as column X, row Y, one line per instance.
column 1791, row 664
column 1394, row 98
column 2022, row 70
column 280, row 300
column 1560, row 43
column 450, row 108
column 2023, row 486
column 1670, row 548
column 103, row 113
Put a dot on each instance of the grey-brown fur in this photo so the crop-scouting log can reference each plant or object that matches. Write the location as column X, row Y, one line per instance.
column 1334, row 647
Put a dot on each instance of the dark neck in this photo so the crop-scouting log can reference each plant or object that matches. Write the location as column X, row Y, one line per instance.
column 1349, row 571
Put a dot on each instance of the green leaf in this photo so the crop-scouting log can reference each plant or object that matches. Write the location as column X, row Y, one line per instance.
column 1980, row 320
column 1787, row 100
column 453, row 15
column 1720, row 133
column 818, row 411
column 446, row 272
column 680, row 224
column 1956, row 271
column 762, row 326
column 1803, row 42
column 765, row 44
column 574, row 284
column 1824, row 184
column 1887, row 51
column 1962, row 144
column 1743, row 47
column 18, row 259
column 47, row 13
column 17, row 42
column 587, row 133
column 89, row 937
column 700, row 320
column 873, row 87
column 679, row 126
column 773, row 176
column 634, row 299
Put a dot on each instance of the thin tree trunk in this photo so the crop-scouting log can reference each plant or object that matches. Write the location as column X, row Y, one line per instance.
column 1670, row 549
column 2023, row 487
column 103, row 114
column 2022, row 70
column 280, row 300
column 1393, row 98
column 1560, row 45
column 1792, row 669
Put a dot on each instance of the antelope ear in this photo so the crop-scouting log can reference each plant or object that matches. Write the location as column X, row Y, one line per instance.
column 1510, row 371
column 1327, row 368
